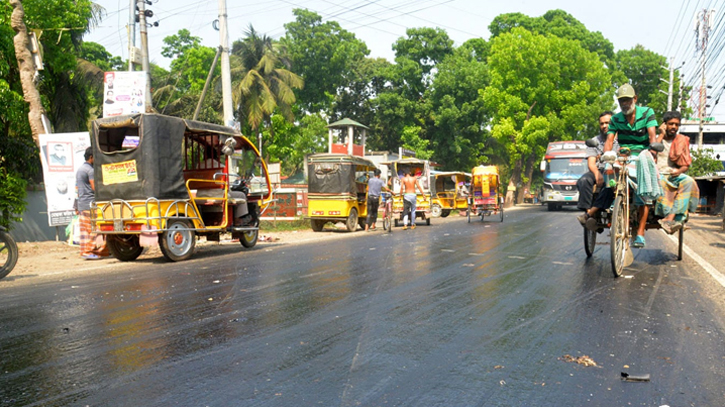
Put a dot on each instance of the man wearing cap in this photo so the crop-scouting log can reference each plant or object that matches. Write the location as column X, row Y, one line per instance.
column 635, row 128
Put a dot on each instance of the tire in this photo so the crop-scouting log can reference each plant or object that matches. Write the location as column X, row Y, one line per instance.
column 436, row 211
column 397, row 222
column 249, row 239
column 352, row 220
column 590, row 241
column 427, row 221
column 445, row 213
column 386, row 222
column 681, row 242
column 124, row 247
column 177, row 244
column 317, row 224
column 551, row 207
column 501, row 210
column 468, row 214
column 8, row 253
column 618, row 234
column 362, row 222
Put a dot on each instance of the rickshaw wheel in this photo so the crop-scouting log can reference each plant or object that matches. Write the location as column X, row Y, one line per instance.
column 124, row 247
column 249, row 238
column 8, row 253
column 590, row 241
column 178, row 244
column 445, row 213
column 618, row 233
column 352, row 220
column 317, row 224
column 468, row 214
column 386, row 223
column 436, row 211
column 681, row 242
column 501, row 210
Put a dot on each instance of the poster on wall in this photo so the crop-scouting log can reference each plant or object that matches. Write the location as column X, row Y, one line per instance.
column 125, row 93
column 61, row 155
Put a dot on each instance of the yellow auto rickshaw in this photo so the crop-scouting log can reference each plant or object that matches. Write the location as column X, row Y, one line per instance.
column 337, row 189
column 163, row 180
column 449, row 191
column 419, row 169
column 486, row 193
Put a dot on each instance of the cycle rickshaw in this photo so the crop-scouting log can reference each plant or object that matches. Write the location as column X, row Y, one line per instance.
column 622, row 218
column 447, row 192
column 162, row 180
column 485, row 193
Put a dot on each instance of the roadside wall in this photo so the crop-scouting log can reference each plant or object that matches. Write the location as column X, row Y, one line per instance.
column 34, row 227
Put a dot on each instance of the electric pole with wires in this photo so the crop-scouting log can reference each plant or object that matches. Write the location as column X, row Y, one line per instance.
column 703, row 25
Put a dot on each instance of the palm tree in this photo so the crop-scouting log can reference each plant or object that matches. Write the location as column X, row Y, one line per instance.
column 266, row 84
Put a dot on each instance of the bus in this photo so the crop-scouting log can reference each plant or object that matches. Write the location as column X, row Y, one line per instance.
column 564, row 163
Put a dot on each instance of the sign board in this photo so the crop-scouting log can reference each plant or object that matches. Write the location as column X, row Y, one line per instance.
column 124, row 93
column 274, row 173
column 406, row 153
column 61, row 155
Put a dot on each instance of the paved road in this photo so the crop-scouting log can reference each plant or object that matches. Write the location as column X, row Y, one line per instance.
column 453, row 314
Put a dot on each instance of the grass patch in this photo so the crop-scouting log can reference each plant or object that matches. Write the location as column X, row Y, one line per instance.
column 284, row 225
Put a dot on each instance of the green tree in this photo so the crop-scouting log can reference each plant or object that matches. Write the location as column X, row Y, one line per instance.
column 458, row 135
column 267, row 85
column 645, row 69
column 535, row 99
column 703, row 163
column 323, row 54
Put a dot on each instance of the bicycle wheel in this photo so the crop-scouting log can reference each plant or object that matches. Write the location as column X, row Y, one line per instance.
column 680, row 242
column 590, row 241
column 8, row 253
column 618, row 234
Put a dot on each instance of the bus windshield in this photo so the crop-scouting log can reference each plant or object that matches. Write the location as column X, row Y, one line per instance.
column 558, row 169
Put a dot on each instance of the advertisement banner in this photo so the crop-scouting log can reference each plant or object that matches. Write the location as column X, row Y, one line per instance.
column 61, row 155
column 125, row 93
column 119, row 173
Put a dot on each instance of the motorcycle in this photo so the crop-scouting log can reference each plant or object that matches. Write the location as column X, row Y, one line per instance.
column 8, row 252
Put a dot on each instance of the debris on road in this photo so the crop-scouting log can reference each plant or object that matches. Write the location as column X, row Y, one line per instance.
column 583, row 360
column 635, row 378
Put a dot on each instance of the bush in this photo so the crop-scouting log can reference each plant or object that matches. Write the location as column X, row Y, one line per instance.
column 12, row 198
column 703, row 164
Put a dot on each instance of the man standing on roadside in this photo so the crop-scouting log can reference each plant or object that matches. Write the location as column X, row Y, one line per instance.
column 375, row 188
column 407, row 188
column 680, row 190
column 86, row 194
column 635, row 128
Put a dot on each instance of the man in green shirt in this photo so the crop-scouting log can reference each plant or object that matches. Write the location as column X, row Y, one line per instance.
column 634, row 127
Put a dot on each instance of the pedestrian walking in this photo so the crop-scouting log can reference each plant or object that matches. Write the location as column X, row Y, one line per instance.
column 86, row 195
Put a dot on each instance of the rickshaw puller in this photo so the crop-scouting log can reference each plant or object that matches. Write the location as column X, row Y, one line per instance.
column 635, row 128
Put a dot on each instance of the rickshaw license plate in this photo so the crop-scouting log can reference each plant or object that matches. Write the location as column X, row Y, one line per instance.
column 118, row 226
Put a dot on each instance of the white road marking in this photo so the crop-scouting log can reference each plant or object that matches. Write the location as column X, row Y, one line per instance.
column 717, row 275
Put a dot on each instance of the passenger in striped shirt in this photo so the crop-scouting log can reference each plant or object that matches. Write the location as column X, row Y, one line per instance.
column 634, row 127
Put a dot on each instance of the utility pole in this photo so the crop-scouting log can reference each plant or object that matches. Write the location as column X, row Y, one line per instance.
column 145, row 50
column 131, row 32
column 671, row 84
column 703, row 24
column 226, row 71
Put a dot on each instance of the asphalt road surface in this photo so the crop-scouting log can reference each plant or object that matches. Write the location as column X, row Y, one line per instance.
column 452, row 314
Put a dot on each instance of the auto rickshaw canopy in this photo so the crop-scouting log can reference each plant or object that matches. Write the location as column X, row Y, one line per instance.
column 330, row 173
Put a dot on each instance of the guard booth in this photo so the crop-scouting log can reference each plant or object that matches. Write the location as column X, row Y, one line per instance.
column 347, row 136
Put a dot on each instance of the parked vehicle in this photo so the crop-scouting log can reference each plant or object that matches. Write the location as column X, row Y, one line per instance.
column 165, row 180
column 486, row 193
column 419, row 169
column 8, row 252
column 564, row 163
column 448, row 191
column 337, row 189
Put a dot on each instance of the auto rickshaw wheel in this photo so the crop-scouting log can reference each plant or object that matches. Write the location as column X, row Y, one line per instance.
column 501, row 210
column 178, row 242
column 317, row 224
column 352, row 220
column 445, row 213
column 8, row 253
column 397, row 223
column 468, row 214
column 124, row 247
column 427, row 221
column 249, row 238
column 436, row 211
